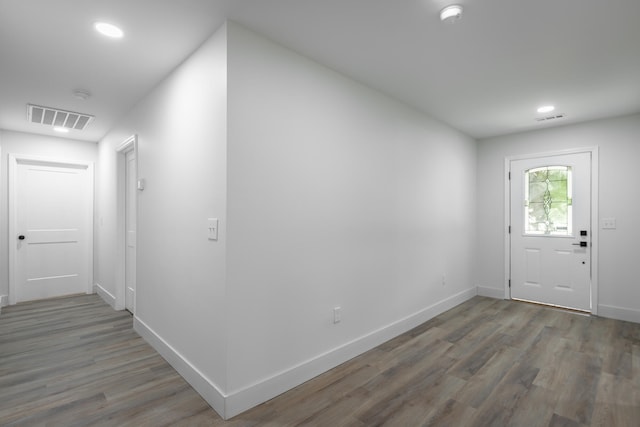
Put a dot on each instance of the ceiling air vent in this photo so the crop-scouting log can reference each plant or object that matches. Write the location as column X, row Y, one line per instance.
column 55, row 117
column 544, row 119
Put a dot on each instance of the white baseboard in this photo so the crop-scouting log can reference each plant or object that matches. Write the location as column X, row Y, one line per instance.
column 248, row 397
column 107, row 296
column 232, row 404
column 490, row 292
column 619, row 313
column 207, row 389
column 4, row 300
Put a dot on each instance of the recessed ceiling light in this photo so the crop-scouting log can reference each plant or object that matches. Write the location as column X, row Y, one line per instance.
column 108, row 30
column 61, row 129
column 451, row 13
column 546, row 109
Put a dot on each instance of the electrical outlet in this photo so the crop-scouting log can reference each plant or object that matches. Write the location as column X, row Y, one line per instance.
column 337, row 314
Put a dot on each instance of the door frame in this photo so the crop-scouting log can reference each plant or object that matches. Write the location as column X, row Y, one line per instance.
column 594, row 151
column 4, row 299
column 129, row 144
column 14, row 160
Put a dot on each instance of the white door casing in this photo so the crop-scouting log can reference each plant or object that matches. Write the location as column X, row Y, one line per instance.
column 125, row 259
column 50, row 228
column 553, row 268
column 130, row 233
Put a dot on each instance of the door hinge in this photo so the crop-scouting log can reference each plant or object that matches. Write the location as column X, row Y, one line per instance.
column 509, row 175
column 509, row 229
column 509, row 283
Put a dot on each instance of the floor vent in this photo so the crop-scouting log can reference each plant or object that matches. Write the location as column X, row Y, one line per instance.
column 55, row 117
column 544, row 119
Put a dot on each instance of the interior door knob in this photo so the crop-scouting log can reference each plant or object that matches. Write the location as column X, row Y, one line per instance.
column 21, row 237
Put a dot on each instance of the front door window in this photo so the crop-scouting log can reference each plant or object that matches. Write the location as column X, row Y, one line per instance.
column 548, row 201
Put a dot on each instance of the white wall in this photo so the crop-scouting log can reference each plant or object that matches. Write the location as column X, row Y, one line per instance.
column 181, row 128
column 32, row 145
column 337, row 196
column 617, row 138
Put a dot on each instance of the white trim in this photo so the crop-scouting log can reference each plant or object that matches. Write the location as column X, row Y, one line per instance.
column 240, row 400
column 107, row 296
column 620, row 313
column 236, row 402
column 92, row 226
column 595, row 228
column 553, row 153
column 14, row 159
column 131, row 143
column 48, row 160
column 4, row 300
column 205, row 387
column 595, row 161
column 507, row 224
column 484, row 291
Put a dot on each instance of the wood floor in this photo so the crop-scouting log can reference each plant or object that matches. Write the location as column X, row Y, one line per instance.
column 76, row 362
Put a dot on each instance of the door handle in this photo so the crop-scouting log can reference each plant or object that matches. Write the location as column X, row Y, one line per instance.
column 21, row 237
column 581, row 244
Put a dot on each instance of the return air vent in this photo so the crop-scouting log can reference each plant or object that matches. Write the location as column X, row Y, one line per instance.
column 555, row 116
column 55, row 117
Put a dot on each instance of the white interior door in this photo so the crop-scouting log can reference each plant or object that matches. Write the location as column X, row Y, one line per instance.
column 551, row 230
column 51, row 240
column 130, row 230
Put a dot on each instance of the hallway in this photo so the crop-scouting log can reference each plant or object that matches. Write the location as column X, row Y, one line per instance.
column 74, row 361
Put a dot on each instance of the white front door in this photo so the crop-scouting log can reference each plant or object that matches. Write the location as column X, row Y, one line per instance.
column 130, row 230
column 550, row 230
column 51, row 226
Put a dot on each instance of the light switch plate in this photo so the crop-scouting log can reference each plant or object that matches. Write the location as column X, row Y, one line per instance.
column 608, row 223
column 212, row 228
column 337, row 314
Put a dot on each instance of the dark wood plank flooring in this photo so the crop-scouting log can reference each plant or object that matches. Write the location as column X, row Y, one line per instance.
column 76, row 362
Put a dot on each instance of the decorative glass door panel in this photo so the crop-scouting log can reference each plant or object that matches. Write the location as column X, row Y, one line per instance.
column 548, row 201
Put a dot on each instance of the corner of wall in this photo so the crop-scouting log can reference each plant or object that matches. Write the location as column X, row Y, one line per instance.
column 209, row 391
column 484, row 291
column 107, row 296
column 230, row 405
